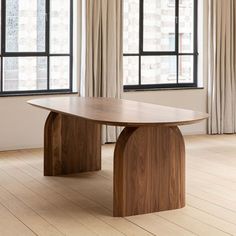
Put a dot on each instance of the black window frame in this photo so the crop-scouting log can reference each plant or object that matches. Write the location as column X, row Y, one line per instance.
column 47, row 54
column 176, row 53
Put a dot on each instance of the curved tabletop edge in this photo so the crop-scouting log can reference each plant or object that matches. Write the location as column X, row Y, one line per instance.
column 119, row 112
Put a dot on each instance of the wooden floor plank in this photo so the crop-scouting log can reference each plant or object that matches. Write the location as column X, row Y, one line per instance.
column 10, row 225
column 159, row 226
column 212, row 209
column 44, row 186
column 82, row 204
column 49, row 212
column 210, row 220
column 26, row 215
column 194, row 225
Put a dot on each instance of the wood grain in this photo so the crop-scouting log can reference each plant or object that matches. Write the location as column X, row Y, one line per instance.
column 71, row 145
column 119, row 112
column 149, row 171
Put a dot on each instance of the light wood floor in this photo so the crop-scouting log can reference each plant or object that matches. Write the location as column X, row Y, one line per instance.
column 31, row 204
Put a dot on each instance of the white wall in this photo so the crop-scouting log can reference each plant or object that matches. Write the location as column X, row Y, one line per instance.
column 21, row 125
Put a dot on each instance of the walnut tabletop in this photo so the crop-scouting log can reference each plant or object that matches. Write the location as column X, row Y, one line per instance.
column 149, row 156
column 119, row 112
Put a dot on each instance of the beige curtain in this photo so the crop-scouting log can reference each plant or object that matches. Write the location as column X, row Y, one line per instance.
column 222, row 66
column 104, row 53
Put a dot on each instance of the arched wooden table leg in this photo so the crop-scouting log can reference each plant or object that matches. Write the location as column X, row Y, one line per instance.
column 149, row 171
column 71, row 145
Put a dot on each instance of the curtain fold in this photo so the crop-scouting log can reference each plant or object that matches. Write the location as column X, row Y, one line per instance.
column 104, row 54
column 222, row 66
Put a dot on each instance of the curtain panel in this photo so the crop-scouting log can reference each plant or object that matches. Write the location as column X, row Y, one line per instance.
column 103, row 54
column 222, row 66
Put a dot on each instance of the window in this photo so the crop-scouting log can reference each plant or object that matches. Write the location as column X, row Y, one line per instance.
column 160, row 44
column 36, row 46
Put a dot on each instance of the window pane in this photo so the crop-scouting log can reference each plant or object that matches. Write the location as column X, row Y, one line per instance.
column 159, row 25
column 186, row 26
column 60, row 26
column 158, row 69
column 24, row 73
column 131, row 70
column 59, row 73
column 25, row 25
column 186, row 69
column 0, row 26
column 131, row 26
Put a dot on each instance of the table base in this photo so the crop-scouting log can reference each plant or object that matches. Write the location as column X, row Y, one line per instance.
column 149, row 162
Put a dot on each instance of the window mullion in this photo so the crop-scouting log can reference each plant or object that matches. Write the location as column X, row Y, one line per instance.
column 195, row 41
column 177, row 38
column 141, row 23
column 71, row 43
column 195, row 46
column 48, row 42
column 47, row 18
column 3, row 25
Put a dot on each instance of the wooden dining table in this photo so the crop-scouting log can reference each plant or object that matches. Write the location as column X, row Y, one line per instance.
column 149, row 156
